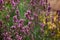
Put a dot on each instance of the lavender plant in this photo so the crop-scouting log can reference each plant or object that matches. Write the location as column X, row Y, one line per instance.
column 28, row 20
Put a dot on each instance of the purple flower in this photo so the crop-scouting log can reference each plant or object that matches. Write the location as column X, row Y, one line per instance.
column 13, row 27
column 6, row 36
column 1, row 5
column 42, row 2
column 27, row 15
column 18, row 37
column 32, row 2
column 17, row 12
column 15, row 19
column 20, row 25
column 25, row 30
column 13, row 3
column 29, row 23
column 29, row 12
column 48, row 8
column 9, row 38
column 21, row 21
column 1, row 1
column 42, row 25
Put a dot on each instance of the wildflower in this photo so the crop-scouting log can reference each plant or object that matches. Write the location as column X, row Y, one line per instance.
column 7, row 17
column 20, row 25
column 15, row 19
column 33, row 2
column 13, row 27
column 42, row 2
column 29, row 12
column 1, row 1
column 13, row 3
column 27, row 16
column 17, row 12
column 29, row 23
column 1, row 5
column 25, row 29
column 48, row 8
column 21, row 21
column 6, row 36
column 18, row 37
column 42, row 25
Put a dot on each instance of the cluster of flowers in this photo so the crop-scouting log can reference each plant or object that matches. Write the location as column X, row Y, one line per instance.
column 38, row 15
